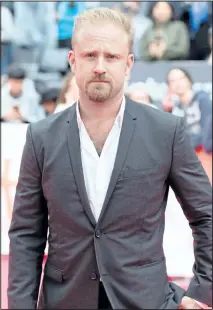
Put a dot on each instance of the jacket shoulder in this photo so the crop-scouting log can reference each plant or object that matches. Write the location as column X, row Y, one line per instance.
column 155, row 116
column 51, row 123
column 178, row 24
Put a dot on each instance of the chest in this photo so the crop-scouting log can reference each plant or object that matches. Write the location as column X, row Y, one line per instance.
column 161, row 34
column 98, row 132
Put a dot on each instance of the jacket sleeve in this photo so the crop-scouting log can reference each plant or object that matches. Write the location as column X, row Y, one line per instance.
column 178, row 44
column 193, row 189
column 27, row 233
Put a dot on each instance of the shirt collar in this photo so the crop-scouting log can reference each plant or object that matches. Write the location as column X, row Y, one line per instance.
column 118, row 120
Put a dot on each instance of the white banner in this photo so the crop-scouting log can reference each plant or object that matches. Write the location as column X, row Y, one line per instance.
column 178, row 243
column 12, row 142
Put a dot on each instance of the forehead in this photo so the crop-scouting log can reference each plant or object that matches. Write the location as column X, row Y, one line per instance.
column 12, row 80
column 99, row 36
column 174, row 74
column 162, row 6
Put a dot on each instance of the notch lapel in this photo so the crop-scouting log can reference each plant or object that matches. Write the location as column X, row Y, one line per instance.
column 73, row 140
column 127, row 131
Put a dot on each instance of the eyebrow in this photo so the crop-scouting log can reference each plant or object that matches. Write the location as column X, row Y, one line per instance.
column 86, row 52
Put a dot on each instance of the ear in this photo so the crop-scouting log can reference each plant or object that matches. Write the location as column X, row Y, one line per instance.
column 130, row 62
column 71, row 59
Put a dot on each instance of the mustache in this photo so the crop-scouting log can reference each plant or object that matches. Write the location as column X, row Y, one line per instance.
column 100, row 78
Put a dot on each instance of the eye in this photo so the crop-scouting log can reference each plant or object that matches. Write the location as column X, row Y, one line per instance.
column 90, row 55
column 111, row 56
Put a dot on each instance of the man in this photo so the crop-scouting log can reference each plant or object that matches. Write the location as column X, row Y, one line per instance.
column 49, row 99
column 138, row 92
column 97, row 175
column 20, row 100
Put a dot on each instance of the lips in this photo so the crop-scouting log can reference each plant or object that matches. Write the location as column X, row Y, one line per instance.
column 100, row 81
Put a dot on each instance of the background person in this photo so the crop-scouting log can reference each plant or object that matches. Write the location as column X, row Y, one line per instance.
column 35, row 29
column 138, row 93
column 166, row 39
column 195, row 107
column 69, row 93
column 140, row 23
column 7, row 29
column 49, row 100
column 66, row 12
column 20, row 100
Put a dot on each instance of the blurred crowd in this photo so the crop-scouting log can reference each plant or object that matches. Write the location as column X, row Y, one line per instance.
column 36, row 37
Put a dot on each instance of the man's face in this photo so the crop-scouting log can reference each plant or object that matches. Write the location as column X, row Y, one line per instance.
column 49, row 107
column 15, row 86
column 100, row 61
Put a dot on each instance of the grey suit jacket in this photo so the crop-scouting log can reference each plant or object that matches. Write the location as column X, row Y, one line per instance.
column 125, row 247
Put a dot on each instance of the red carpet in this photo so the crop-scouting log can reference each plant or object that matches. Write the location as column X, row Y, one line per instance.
column 4, row 273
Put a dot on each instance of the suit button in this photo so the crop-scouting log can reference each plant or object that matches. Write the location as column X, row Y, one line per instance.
column 94, row 276
column 98, row 233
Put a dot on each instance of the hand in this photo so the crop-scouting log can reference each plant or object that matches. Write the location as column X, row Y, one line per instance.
column 13, row 115
column 168, row 102
column 190, row 303
column 161, row 49
column 153, row 49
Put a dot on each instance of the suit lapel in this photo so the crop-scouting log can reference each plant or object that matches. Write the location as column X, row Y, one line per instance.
column 128, row 128
column 73, row 140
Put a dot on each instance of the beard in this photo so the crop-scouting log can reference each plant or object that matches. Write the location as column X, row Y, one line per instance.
column 98, row 92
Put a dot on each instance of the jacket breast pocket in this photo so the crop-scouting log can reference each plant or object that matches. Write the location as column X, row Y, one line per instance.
column 129, row 173
column 147, row 183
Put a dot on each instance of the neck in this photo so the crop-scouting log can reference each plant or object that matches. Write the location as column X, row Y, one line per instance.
column 15, row 95
column 186, row 97
column 160, row 24
column 97, row 111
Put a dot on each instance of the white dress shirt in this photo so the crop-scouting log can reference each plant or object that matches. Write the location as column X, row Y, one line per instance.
column 97, row 169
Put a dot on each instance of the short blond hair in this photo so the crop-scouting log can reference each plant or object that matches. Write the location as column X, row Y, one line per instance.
column 107, row 15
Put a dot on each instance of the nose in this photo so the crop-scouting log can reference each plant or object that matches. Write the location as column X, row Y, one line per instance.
column 100, row 67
